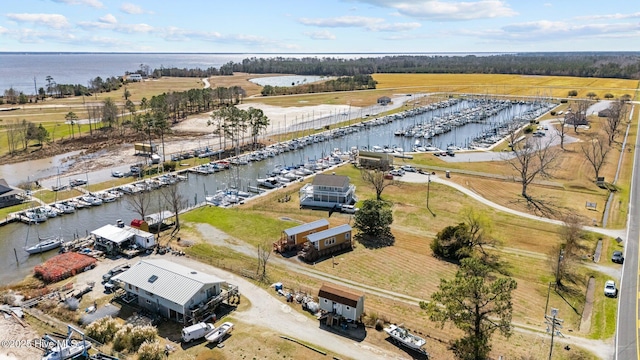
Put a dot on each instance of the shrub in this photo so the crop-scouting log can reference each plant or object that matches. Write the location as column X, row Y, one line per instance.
column 379, row 325
column 553, row 113
column 103, row 329
column 150, row 350
column 130, row 338
column 608, row 96
column 528, row 130
column 564, row 101
column 572, row 93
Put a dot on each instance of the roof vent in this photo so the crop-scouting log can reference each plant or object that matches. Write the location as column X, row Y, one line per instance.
column 194, row 272
column 153, row 278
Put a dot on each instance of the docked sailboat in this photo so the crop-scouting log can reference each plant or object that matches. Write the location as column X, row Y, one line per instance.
column 44, row 245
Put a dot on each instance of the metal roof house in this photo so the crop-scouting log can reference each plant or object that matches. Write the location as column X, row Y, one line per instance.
column 296, row 236
column 113, row 239
column 171, row 290
column 341, row 301
column 328, row 191
column 8, row 195
column 327, row 242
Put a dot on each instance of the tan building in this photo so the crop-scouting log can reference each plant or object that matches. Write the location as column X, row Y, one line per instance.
column 375, row 160
column 295, row 237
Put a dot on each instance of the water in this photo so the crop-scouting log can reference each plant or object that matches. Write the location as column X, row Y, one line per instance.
column 287, row 80
column 16, row 235
column 16, row 173
column 20, row 70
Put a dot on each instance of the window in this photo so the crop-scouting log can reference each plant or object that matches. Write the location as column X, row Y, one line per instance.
column 347, row 308
column 129, row 285
column 329, row 241
column 325, row 301
column 347, row 236
column 148, row 301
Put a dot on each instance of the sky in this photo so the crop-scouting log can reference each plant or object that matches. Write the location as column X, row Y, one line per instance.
column 319, row 26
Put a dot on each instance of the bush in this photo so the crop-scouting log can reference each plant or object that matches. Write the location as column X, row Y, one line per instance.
column 564, row 101
column 130, row 338
column 572, row 93
column 553, row 113
column 103, row 329
column 150, row 350
column 608, row 96
column 528, row 130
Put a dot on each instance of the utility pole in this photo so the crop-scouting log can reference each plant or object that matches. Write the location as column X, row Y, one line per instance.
column 560, row 257
column 554, row 323
column 428, row 183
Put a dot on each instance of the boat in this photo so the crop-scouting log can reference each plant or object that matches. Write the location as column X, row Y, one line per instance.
column 33, row 217
column 269, row 183
column 94, row 201
column 68, row 349
column 402, row 336
column 65, row 208
column 44, row 244
column 218, row 334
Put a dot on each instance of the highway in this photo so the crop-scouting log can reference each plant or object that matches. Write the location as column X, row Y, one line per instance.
column 628, row 320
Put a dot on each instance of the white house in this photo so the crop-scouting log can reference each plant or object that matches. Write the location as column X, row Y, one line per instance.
column 341, row 301
column 134, row 77
column 169, row 289
column 115, row 238
column 328, row 191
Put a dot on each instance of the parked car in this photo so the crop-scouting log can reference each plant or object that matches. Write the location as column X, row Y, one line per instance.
column 617, row 257
column 610, row 289
column 408, row 168
column 197, row 331
column 396, row 172
column 115, row 271
column 348, row 209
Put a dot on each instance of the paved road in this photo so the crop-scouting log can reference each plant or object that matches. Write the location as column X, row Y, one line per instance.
column 627, row 327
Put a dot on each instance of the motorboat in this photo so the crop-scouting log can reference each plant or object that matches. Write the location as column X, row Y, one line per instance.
column 65, row 208
column 68, row 349
column 269, row 183
column 44, row 244
column 105, row 196
column 92, row 200
column 402, row 336
column 218, row 334
column 33, row 217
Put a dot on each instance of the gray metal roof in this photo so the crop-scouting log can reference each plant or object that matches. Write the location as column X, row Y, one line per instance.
column 158, row 217
column 306, row 227
column 329, row 233
column 113, row 233
column 339, row 181
column 174, row 282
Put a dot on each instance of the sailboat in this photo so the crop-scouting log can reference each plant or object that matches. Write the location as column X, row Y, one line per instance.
column 44, row 244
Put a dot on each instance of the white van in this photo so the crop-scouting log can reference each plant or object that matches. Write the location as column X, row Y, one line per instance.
column 197, row 331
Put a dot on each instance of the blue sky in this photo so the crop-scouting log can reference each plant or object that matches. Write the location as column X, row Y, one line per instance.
column 319, row 26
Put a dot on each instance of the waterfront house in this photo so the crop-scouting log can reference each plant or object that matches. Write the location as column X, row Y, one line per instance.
column 8, row 195
column 340, row 301
column 119, row 238
column 134, row 77
column 171, row 290
column 328, row 191
column 327, row 242
column 375, row 160
column 295, row 237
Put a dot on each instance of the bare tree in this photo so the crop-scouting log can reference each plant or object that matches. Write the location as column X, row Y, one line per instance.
column 479, row 229
column 563, row 256
column 376, row 178
column 532, row 158
column 13, row 136
column 175, row 200
column 595, row 151
column 263, row 258
column 140, row 203
column 562, row 131
column 617, row 113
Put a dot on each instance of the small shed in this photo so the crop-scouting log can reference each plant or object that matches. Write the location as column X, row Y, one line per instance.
column 296, row 236
column 331, row 237
column 384, row 100
column 341, row 301
column 114, row 239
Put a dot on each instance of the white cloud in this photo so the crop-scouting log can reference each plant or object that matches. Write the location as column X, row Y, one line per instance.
column 108, row 19
column 115, row 26
column 369, row 23
column 320, row 35
column 133, row 9
column 610, row 16
column 447, row 10
column 54, row 21
column 92, row 3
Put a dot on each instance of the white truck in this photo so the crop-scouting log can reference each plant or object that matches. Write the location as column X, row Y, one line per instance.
column 197, row 331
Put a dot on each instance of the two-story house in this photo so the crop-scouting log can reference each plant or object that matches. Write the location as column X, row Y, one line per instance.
column 328, row 191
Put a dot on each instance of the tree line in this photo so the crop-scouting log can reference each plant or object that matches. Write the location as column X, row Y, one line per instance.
column 343, row 83
column 605, row 65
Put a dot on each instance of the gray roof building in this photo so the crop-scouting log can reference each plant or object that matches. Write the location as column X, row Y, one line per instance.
column 306, row 227
column 329, row 233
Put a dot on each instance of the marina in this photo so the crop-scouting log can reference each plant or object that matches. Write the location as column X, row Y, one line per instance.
column 240, row 177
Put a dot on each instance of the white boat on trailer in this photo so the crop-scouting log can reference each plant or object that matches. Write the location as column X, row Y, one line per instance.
column 218, row 334
column 402, row 336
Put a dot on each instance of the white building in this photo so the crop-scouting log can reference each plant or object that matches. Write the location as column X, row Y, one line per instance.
column 169, row 289
column 113, row 239
column 134, row 77
column 328, row 191
column 341, row 301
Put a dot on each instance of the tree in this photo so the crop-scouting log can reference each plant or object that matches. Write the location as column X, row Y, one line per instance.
column 608, row 96
column 109, row 112
column 591, row 95
column 176, row 201
column 474, row 304
column 532, row 158
column 71, row 118
column 374, row 222
column 139, row 203
column 13, row 136
column 126, row 94
column 562, row 131
column 580, row 114
column 257, row 122
column 561, row 257
column 50, row 84
column 572, row 93
column 263, row 258
column 452, row 242
column 131, row 108
column 617, row 114
column 376, row 179
column 595, row 151
column 41, row 135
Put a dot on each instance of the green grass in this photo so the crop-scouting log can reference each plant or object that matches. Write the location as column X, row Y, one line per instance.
column 603, row 318
column 4, row 212
column 253, row 228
